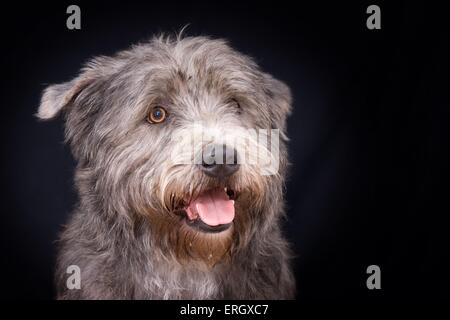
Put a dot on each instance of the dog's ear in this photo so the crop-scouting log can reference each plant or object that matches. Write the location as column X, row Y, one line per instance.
column 57, row 97
column 280, row 98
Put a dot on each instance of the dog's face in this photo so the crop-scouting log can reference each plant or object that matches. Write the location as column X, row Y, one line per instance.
column 164, row 135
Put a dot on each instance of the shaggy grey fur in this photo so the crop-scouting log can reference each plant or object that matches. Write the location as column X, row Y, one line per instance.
column 124, row 233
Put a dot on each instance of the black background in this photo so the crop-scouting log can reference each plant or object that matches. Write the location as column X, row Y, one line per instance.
column 369, row 134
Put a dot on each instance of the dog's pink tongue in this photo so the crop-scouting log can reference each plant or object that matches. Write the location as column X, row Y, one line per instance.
column 214, row 207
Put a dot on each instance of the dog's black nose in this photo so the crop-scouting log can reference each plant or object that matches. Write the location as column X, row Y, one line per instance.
column 219, row 161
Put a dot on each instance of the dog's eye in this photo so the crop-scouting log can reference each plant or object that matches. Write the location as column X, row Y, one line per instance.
column 157, row 115
column 236, row 105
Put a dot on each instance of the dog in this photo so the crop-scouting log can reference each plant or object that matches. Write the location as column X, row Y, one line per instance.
column 153, row 220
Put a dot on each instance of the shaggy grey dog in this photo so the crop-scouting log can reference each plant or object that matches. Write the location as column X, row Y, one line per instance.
column 150, row 223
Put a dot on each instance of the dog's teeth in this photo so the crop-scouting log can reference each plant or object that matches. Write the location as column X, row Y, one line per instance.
column 225, row 189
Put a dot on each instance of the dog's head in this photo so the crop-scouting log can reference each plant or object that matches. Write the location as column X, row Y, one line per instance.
column 186, row 135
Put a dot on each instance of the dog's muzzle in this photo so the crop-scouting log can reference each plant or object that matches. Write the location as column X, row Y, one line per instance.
column 213, row 209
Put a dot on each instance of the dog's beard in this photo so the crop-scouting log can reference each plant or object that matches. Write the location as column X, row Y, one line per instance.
column 159, row 197
column 180, row 230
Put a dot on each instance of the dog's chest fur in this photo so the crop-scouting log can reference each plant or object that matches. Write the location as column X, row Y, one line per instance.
column 177, row 283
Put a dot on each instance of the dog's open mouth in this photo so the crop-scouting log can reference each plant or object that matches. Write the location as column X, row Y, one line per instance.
column 212, row 210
